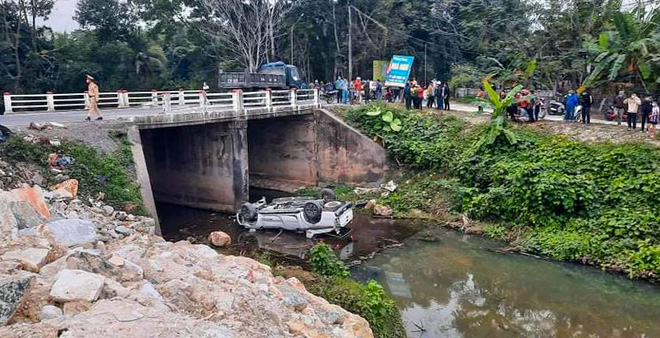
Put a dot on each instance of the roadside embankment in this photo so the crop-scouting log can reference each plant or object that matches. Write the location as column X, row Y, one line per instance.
column 78, row 258
column 589, row 201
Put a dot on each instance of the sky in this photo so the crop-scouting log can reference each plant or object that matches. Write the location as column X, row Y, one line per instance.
column 61, row 19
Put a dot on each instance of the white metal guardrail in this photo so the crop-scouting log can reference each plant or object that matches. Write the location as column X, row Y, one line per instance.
column 169, row 101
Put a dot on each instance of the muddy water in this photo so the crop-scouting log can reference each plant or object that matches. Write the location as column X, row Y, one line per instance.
column 461, row 286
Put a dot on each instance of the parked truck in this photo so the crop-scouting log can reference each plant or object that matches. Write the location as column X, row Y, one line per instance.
column 274, row 75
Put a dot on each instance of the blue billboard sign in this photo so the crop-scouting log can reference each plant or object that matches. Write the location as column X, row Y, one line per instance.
column 399, row 71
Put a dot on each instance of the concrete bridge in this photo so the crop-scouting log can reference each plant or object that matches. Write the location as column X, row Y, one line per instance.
column 206, row 151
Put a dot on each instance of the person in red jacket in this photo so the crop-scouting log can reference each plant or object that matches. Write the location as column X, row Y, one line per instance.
column 358, row 89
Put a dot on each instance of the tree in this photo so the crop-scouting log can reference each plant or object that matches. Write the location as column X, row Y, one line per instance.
column 633, row 48
column 246, row 28
column 110, row 19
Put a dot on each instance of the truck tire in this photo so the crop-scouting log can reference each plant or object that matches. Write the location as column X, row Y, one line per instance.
column 312, row 212
column 328, row 195
column 249, row 212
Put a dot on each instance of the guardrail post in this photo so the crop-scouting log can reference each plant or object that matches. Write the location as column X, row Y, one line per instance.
column 50, row 101
column 127, row 100
column 182, row 97
column 237, row 99
column 269, row 99
column 7, row 98
column 120, row 99
column 317, row 98
column 154, row 97
column 86, row 100
column 294, row 98
column 167, row 108
column 202, row 98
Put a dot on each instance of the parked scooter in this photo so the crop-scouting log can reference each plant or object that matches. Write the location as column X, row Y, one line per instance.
column 555, row 108
column 329, row 95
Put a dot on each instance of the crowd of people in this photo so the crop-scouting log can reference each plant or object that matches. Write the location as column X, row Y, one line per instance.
column 526, row 108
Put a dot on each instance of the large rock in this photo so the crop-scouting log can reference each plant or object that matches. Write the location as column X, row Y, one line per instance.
column 26, row 215
column 72, row 232
column 33, row 196
column 8, row 223
column 219, row 239
column 121, row 269
column 66, row 189
column 12, row 294
column 382, row 210
column 77, row 285
column 50, row 312
column 32, row 259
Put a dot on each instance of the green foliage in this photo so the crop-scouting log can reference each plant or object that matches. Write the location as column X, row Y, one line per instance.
column 325, row 263
column 381, row 119
column 596, row 203
column 367, row 300
column 95, row 172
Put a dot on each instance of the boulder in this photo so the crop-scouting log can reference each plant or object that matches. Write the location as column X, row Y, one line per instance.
column 72, row 232
column 74, row 308
column 33, row 196
column 13, row 292
column 32, row 259
column 382, row 210
column 112, row 289
column 124, row 230
column 68, row 188
column 50, row 312
column 77, row 285
column 120, row 268
column 26, row 216
column 219, row 239
column 8, row 223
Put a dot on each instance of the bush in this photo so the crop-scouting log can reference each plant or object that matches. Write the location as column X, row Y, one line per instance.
column 595, row 203
column 109, row 174
column 367, row 300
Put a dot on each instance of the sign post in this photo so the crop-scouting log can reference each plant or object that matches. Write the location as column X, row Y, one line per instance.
column 399, row 71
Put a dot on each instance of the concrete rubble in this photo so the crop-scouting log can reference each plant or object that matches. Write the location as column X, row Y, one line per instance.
column 84, row 269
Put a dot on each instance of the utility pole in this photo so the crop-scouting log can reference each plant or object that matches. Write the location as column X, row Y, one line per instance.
column 350, row 43
column 425, row 82
column 291, row 60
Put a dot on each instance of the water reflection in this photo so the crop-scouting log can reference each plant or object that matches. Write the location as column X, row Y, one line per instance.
column 461, row 287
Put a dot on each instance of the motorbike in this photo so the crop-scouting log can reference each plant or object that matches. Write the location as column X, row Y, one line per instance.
column 555, row 108
column 330, row 95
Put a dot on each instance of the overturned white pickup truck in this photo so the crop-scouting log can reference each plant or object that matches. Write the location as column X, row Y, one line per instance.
column 302, row 214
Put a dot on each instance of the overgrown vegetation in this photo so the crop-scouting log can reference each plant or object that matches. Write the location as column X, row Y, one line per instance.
column 109, row 174
column 367, row 300
column 593, row 203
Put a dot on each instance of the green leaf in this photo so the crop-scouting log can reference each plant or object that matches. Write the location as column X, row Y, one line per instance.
column 616, row 67
column 396, row 127
column 644, row 69
column 388, row 117
column 387, row 128
column 492, row 94
column 374, row 112
column 604, row 41
column 531, row 67
column 397, row 122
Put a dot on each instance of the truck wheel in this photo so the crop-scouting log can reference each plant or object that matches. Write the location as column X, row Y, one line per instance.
column 312, row 212
column 328, row 195
column 249, row 212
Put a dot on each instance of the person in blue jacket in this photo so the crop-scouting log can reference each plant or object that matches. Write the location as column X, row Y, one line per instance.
column 571, row 103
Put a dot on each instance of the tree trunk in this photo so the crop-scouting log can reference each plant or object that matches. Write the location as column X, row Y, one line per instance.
column 33, row 29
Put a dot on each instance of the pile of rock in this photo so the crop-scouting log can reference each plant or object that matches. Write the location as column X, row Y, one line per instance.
column 82, row 269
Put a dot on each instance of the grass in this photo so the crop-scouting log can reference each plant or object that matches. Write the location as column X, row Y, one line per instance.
column 108, row 174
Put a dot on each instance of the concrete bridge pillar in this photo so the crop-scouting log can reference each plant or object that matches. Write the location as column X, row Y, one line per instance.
column 202, row 166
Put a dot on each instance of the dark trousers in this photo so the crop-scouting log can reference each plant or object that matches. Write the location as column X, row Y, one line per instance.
column 645, row 118
column 339, row 94
column 586, row 115
column 439, row 102
column 446, row 103
column 429, row 102
column 408, row 102
column 632, row 120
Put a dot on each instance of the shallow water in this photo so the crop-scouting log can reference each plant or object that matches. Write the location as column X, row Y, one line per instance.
column 461, row 286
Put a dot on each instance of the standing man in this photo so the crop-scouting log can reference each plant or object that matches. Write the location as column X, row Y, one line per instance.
column 587, row 100
column 619, row 105
column 646, row 110
column 445, row 95
column 338, row 88
column 633, row 103
column 379, row 90
column 358, row 89
column 407, row 95
column 93, row 93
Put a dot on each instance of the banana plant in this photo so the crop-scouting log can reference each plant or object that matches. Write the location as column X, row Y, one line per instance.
column 498, row 124
column 388, row 122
